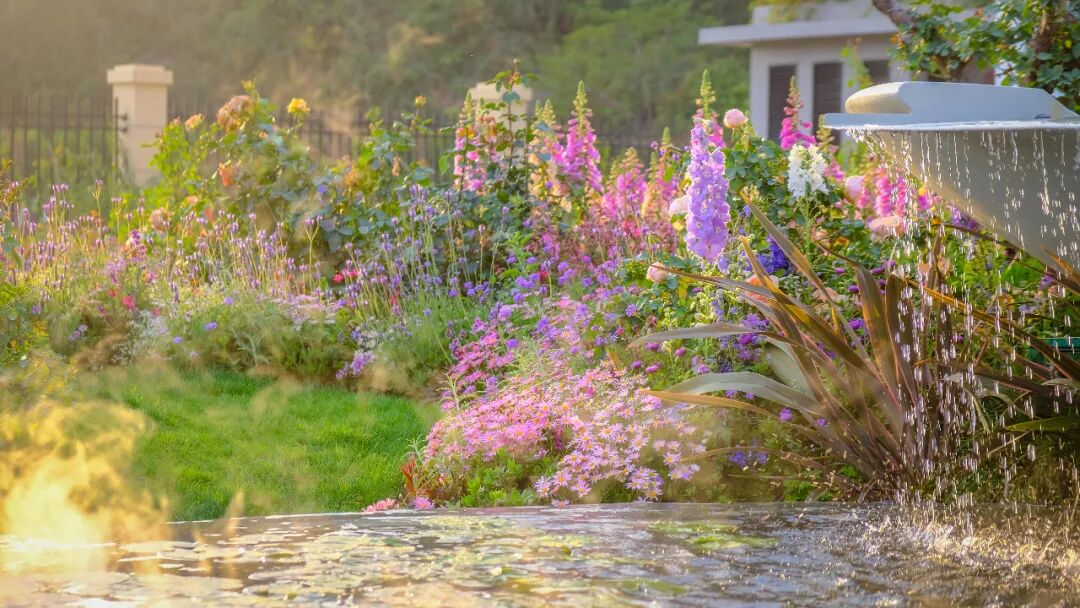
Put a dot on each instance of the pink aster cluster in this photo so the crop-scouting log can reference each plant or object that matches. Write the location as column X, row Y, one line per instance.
column 479, row 361
column 597, row 419
column 709, row 214
column 561, row 399
column 385, row 504
column 792, row 130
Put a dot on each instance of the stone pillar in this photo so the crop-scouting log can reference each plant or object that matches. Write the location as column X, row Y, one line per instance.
column 141, row 94
column 486, row 92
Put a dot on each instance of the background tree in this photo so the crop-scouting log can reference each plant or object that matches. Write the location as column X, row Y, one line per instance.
column 1033, row 43
column 641, row 62
column 639, row 57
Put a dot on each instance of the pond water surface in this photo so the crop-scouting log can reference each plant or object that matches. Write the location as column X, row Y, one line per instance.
column 595, row 555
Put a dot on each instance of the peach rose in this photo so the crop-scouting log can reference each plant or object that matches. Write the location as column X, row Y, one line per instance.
column 734, row 118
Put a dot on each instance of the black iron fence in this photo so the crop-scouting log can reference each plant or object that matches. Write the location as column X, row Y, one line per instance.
column 59, row 139
column 332, row 136
column 53, row 140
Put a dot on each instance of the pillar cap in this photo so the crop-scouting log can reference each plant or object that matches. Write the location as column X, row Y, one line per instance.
column 486, row 91
column 137, row 73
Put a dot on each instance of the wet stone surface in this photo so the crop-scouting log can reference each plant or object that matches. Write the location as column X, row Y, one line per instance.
column 603, row 555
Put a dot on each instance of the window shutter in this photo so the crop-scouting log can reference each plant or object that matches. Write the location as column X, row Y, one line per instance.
column 879, row 70
column 779, row 81
column 828, row 88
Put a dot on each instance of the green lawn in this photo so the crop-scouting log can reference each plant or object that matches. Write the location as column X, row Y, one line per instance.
column 289, row 447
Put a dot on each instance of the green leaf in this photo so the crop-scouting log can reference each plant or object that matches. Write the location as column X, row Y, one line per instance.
column 715, row 330
column 750, row 382
column 783, row 363
column 1059, row 424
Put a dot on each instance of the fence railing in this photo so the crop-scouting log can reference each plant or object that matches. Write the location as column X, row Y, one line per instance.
column 332, row 137
column 53, row 140
column 326, row 136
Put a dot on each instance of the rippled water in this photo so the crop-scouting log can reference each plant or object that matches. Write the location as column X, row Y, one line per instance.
column 633, row 554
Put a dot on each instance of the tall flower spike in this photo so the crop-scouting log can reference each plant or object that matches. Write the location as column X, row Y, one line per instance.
column 827, row 144
column 660, row 188
column 709, row 213
column 579, row 160
column 545, row 149
column 792, row 130
column 545, row 113
column 707, row 97
column 625, row 194
column 705, row 101
column 467, row 156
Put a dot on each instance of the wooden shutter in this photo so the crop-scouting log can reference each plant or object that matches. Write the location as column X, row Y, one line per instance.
column 779, row 81
column 828, row 88
column 879, row 70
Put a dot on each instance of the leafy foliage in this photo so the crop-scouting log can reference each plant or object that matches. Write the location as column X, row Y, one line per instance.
column 892, row 408
column 1028, row 42
column 340, row 53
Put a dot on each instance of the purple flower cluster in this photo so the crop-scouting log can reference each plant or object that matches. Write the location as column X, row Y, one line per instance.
column 709, row 213
column 775, row 262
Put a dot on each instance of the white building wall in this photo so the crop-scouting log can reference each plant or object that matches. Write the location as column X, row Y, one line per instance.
column 803, row 54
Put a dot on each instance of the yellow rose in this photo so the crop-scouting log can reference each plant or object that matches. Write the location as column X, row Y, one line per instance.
column 298, row 107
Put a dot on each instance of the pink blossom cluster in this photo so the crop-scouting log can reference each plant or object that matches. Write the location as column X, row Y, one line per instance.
column 475, row 147
column 479, row 361
column 597, row 419
column 792, row 130
column 576, row 157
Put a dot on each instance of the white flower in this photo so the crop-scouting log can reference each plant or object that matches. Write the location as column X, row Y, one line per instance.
column 679, row 205
column 806, row 171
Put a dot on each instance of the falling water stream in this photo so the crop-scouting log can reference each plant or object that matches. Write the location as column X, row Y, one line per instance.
column 1020, row 180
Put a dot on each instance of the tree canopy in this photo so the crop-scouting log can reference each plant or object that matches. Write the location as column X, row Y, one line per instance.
column 639, row 58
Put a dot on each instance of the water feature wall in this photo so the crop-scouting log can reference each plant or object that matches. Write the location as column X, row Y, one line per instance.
column 1008, row 157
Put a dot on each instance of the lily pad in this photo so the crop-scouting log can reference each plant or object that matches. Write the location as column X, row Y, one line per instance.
column 708, row 537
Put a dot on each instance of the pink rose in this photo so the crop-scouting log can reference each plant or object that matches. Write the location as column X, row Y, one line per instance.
column 734, row 118
column 853, row 187
column 656, row 274
column 890, row 225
